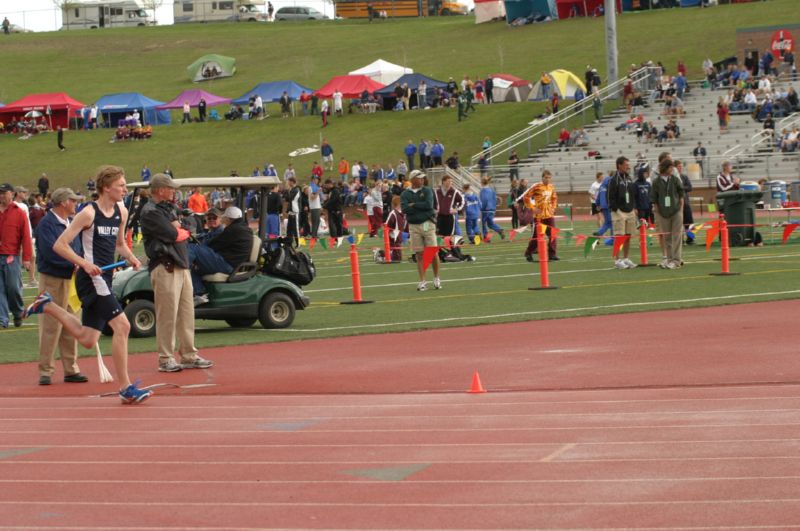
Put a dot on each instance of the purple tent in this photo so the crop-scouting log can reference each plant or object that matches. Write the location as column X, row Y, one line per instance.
column 193, row 96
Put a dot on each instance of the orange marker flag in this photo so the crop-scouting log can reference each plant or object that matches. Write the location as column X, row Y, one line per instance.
column 619, row 241
column 428, row 254
column 787, row 231
column 311, row 243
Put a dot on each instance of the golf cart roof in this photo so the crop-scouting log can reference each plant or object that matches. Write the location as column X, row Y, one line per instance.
column 213, row 182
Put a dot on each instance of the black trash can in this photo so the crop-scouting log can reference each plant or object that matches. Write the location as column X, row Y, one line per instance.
column 739, row 208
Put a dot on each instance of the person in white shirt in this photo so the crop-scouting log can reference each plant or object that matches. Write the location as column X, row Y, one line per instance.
column 422, row 95
column 355, row 170
column 594, row 189
column 289, row 173
column 93, row 116
column 337, row 103
column 259, row 105
column 750, row 100
column 136, row 116
column 186, row 110
column 764, row 86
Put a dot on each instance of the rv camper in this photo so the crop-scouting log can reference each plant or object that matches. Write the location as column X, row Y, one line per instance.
column 219, row 11
column 93, row 14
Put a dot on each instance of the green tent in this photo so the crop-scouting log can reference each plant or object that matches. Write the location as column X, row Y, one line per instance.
column 210, row 67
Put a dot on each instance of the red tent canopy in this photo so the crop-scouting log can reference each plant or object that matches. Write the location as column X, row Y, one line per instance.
column 349, row 86
column 62, row 107
column 581, row 8
column 514, row 80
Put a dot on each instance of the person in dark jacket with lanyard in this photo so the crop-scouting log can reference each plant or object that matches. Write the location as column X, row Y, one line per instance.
column 333, row 205
column 416, row 203
column 621, row 203
column 667, row 196
column 166, row 245
column 55, row 277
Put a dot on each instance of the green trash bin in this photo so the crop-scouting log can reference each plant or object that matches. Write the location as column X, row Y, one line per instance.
column 739, row 208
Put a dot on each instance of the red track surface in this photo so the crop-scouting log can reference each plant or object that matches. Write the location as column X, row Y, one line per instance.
column 713, row 445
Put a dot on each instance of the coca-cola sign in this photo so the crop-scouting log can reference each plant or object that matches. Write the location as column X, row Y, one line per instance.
column 782, row 42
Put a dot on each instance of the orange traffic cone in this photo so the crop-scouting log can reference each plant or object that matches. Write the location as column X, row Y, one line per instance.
column 476, row 384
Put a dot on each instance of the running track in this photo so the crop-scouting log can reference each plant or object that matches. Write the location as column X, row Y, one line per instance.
column 652, row 420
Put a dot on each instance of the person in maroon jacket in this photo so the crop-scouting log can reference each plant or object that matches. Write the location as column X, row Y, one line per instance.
column 447, row 201
column 397, row 223
column 15, row 235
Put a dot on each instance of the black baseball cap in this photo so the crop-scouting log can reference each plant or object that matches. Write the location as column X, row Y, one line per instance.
column 5, row 187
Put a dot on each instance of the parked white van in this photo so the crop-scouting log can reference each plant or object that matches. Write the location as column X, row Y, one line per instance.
column 219, row 10
column 104, row 14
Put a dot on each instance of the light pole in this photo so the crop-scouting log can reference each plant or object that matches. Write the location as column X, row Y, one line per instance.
column 611, row 41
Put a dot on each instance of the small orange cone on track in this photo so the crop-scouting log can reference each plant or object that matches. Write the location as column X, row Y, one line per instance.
column 476, row 384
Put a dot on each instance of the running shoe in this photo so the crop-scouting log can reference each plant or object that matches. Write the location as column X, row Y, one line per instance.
column 197, row 363
column 37, row 306
column 437, row 283
column 629, row 263
column 134, row 395
column 619, row 264
column 422, row 286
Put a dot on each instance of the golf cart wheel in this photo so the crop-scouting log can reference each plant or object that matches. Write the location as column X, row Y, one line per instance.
column 142, row 316
column 241, row 322
column 737, row 239
column 276, row 310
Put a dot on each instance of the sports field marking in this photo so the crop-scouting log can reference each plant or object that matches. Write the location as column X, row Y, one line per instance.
column 405, row 482
column 451, row 430
column 566, row 445
column 430, row 417
column 537, row 312
column 534, row 273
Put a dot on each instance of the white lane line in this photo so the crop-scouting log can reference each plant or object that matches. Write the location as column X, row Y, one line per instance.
column 397, row 324
column 358, row 505
column 436, row 417
column 469, row 404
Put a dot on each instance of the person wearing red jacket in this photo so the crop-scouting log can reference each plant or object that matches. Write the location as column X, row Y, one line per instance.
column 15, row 237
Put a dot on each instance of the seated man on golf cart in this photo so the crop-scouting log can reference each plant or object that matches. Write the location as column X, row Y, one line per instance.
column 221, row 254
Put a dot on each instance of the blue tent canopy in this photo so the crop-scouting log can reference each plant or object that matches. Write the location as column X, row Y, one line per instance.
column 412, row 80
column 114, row 107
column 526, row 8
column 272, row 91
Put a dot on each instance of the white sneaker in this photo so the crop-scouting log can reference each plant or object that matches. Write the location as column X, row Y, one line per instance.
column 629, row 263
column 671, row 265
column 422, row 286
column 437, row 284
column 620, row 264
column 664, row 263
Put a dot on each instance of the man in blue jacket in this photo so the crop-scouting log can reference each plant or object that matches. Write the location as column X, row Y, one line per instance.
column 55, row 277
column 602, row 204
column 488, row 199
column 410, row 151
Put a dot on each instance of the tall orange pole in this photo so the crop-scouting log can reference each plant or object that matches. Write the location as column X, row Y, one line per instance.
column 355, row 274
column 544, row 267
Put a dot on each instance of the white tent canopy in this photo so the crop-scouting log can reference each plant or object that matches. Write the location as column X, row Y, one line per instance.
column 382, row 71
column 488, row 10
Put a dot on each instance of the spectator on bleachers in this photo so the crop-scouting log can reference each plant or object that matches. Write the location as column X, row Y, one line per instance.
column 581, row 138
column 789, row 142
column 764, row 110
column 764, row 86
column 563, row 138
column 750, row 101
column 722, row 115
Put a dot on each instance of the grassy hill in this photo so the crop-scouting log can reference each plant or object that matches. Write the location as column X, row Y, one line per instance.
column 88, row 64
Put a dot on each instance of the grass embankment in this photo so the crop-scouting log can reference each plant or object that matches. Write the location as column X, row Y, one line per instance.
column 493, row 289
column 88, row 64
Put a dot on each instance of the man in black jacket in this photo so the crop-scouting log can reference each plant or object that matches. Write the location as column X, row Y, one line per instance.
column 621, row 202
column 333, row 205
column 166, row 245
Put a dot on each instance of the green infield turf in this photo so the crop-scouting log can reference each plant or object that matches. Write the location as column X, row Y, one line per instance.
column 494, row 289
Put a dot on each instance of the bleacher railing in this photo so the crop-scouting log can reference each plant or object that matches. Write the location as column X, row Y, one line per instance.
column 643, row 79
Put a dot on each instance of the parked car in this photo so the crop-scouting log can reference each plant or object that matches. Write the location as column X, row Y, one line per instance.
column 246, row 295
column 299, row 13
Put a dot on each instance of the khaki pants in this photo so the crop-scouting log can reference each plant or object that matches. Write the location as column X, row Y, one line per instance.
column 673, row 237
column 174, row 313
column 52, row 333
